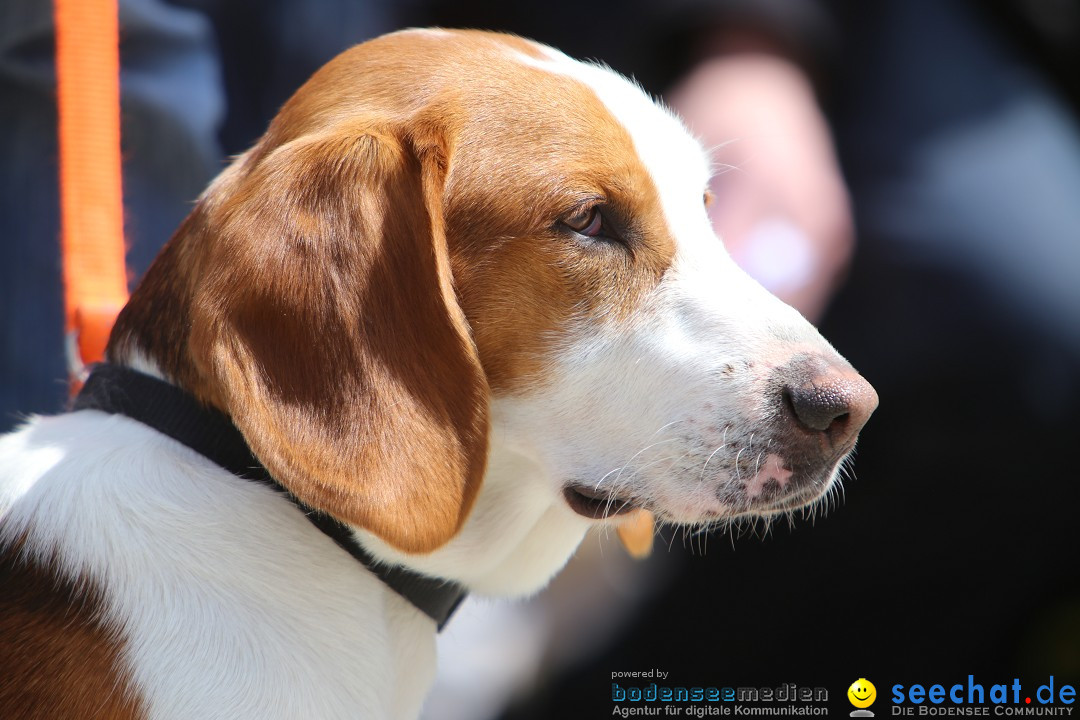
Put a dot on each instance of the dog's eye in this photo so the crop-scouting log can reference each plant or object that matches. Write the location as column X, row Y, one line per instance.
column 708, row 198
column 587, row 221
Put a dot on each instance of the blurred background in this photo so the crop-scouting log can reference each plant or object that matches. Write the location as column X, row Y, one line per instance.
column 905, row 172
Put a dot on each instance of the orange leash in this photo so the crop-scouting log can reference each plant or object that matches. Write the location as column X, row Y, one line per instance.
column 91, row 205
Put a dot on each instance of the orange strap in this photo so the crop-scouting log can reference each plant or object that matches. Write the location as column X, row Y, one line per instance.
column 92, row 213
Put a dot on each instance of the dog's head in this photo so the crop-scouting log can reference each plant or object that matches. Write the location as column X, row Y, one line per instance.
column 450, row 239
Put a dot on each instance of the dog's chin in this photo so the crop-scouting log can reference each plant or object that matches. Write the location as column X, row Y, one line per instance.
column 731, row 502
column 806, row 495
column 597, row 504
column 793, row 503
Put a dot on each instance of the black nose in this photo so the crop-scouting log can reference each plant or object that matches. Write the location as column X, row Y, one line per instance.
column 818, row 406
column 831, row 399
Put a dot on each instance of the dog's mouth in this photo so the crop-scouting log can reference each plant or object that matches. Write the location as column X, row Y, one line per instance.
column 597, row 504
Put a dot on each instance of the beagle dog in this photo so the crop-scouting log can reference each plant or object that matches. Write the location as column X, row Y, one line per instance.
column 463, row 302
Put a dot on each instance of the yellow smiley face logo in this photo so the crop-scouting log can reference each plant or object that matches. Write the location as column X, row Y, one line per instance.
column 862, row 693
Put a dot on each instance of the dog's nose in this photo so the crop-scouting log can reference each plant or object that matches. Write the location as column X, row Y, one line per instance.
column 830, row 399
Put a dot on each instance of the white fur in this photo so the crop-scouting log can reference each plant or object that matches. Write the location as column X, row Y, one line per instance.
column 519, row 534
column 232, row 605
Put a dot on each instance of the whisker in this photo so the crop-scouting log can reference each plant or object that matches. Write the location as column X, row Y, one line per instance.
column 711, row 455
column 644, row 449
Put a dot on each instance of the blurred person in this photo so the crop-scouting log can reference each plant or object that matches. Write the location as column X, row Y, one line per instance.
column 957, row 131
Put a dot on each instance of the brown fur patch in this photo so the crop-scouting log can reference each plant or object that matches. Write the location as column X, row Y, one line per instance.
column 351, row 288
column 57, row 658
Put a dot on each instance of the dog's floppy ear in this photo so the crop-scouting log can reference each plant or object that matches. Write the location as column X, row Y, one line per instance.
column 330, row 332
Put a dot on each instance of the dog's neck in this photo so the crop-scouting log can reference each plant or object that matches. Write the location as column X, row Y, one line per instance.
column 177, row 414
column 519, row 535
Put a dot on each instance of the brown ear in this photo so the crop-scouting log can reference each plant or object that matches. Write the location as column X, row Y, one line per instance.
column 329, row 330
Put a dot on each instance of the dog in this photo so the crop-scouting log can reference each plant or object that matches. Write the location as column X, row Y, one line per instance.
column 460, row 304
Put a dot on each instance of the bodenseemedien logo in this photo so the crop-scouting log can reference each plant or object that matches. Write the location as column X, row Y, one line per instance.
column 862, row 694
column 670, row 699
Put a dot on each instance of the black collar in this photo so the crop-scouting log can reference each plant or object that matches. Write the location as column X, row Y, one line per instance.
column 173, row 412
